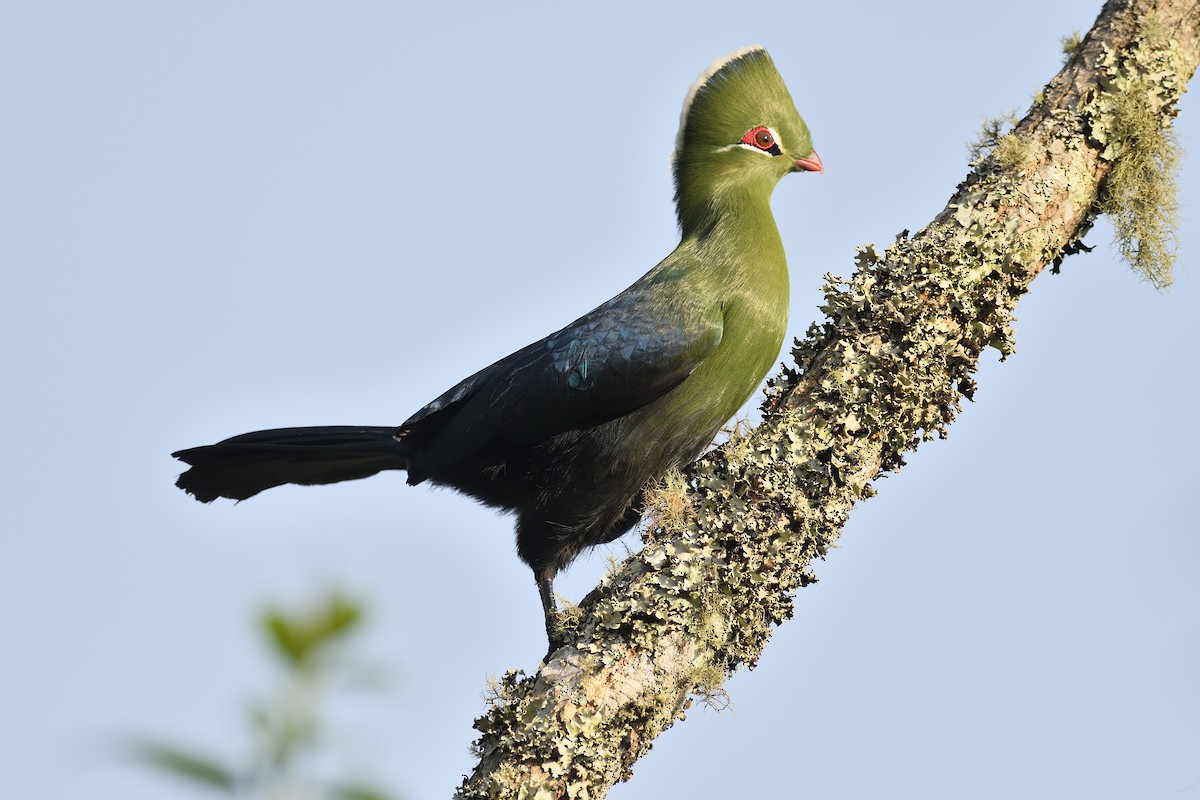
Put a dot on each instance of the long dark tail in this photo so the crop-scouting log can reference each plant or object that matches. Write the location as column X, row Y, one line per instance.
column 243, row 466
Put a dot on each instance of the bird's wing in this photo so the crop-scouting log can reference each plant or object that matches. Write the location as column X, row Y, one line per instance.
column 613, row 360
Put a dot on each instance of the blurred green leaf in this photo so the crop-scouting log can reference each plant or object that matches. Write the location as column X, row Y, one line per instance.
column 286, row 727
column 286, row 638
column 183, row 764
column 300, row 638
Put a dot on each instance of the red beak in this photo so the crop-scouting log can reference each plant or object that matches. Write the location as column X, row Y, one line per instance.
column 812, row 163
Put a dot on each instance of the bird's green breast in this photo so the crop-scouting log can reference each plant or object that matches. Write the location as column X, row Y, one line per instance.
column 737, row 271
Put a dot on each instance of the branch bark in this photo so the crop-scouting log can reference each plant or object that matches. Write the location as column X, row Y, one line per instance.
column 731, row 540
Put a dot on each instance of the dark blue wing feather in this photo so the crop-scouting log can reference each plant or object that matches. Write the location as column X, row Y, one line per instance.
column 613, row 360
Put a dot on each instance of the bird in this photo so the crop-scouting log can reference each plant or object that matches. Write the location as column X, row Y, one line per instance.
column 568, row 432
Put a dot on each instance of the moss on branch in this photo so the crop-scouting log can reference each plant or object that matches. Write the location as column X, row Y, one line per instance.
column 1140, row 194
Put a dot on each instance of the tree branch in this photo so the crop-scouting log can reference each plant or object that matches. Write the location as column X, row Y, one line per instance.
column 731, row 540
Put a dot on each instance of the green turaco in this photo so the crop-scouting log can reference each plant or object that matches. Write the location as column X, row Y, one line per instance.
column 567, row 432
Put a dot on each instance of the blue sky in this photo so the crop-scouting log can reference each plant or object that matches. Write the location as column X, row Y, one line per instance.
column 221, row 217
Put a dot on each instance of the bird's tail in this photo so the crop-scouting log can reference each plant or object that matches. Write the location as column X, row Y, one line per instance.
column 245, row 465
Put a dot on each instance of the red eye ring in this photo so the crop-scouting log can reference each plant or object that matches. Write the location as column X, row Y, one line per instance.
column 761, row 138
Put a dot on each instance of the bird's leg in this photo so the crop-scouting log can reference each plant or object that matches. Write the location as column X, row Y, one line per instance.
column 545, row 584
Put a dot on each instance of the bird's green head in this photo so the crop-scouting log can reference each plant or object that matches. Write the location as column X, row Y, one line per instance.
column 739, row 133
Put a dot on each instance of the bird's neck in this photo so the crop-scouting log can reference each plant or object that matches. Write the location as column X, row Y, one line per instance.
column 738, row 223
column 733, row 210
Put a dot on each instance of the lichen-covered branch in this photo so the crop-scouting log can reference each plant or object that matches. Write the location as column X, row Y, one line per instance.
column 730, row 541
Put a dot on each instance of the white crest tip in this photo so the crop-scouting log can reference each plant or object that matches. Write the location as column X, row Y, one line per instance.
column 704, row 78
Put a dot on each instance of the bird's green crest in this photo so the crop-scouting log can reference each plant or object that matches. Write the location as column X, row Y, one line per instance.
column 735, row 96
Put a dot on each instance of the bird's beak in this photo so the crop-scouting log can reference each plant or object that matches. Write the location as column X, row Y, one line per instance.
column 810, row 163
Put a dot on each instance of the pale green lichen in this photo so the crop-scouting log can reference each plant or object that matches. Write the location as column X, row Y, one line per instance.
column 1070, row 44
column 993, row 131
column 1140, row 193
column 1012, row 152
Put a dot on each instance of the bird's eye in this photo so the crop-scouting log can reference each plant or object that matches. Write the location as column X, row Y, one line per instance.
column 761, row 138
